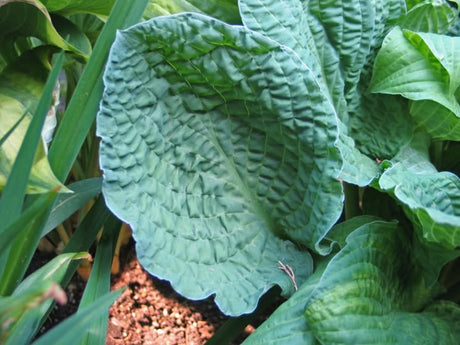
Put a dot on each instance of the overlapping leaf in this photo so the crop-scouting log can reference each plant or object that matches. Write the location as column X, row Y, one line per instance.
column 23, row 310
column 372, row 292
column 287, row 325
column 431, row 198
column 98, row 7
column 214, row 147
column 337, row 41
column 423, row 67
column 21, row 23
column 19, row 94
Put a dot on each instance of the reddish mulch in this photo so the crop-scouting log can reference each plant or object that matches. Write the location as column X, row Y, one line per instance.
column 149, row 311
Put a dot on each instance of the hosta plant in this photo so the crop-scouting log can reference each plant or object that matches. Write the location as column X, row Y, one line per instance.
column 301, row 148
column 310, row 145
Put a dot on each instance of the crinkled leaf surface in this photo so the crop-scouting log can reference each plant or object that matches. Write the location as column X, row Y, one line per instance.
column 19, row 94
column 336, row 40
column 431, row 198
column 372, row 292
column 216, row 148
column 288, row 325
column 423, row 67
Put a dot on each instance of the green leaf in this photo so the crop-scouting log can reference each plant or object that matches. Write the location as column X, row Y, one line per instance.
column 67, row 204
column 29, row 18
column 166, row 7
column 226, row 10
column 73, row 329
column 27, row 303
column 82, row 108
column 431, row 198
column 99, row 282
column 19, row 95
column 66, row 7
column 13, row 193
column 337, row 42
column 422, row 67
column 11, row 228
column 287, row 325
column 372, row 292
column 430, row 16
column 228, row 146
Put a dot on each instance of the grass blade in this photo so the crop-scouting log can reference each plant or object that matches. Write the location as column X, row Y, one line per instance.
column 67, row 204
column 9, row 233
column 74, row 328
column 83, row 106
column 99, row 282
column 13, row 194
column 11, row 130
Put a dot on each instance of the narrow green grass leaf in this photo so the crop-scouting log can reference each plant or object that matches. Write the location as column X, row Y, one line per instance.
column 88, row 229
column 14, row 191
column 74, row 328
column 83, row 237
column 28, row 318
column 11, row 229
column 67, row 204
column 11, row 130
column 99, row 282
column 83, row 106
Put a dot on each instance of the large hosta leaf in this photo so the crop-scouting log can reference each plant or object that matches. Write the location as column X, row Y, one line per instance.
column 337, row 40
column 423, row 67
column 431, row 198
column 372, row 292
column 216, row 148
column 287, row 325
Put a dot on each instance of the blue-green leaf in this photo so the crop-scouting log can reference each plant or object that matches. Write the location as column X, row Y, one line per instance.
column 226, row 141
column 431, row 198
column 337, row 41
column 373, row 292
column 288, row 325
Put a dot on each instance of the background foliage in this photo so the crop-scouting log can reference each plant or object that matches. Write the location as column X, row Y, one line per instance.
column 246, row 150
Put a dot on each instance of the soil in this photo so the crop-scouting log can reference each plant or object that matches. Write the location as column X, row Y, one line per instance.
column 150, row 312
